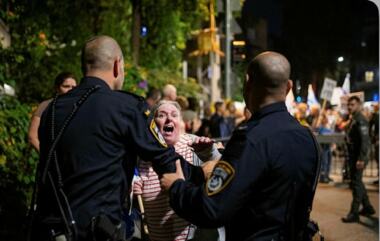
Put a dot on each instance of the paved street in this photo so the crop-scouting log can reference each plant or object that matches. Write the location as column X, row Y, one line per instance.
column 332, row 201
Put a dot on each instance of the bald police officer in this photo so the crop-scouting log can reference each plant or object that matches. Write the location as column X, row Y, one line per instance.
column 263, row 185
column 90, row 138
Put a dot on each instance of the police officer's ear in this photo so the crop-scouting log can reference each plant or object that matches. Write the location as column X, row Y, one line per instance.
column 116, row 67
column 289, row 86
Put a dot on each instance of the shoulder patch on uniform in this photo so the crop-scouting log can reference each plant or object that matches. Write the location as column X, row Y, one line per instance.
column 156, row 133
column 221, row 176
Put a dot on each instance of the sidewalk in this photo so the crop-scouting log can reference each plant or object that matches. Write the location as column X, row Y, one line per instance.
column 332, row 202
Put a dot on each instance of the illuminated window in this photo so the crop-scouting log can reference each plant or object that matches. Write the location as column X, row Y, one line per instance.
column 369, row 76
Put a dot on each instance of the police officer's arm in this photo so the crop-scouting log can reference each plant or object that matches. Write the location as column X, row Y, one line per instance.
column 224, row 193
column 35, row 123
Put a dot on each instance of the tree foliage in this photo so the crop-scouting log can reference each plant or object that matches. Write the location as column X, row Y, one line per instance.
column 17, row 167
column 47, row 37
column 169, row 25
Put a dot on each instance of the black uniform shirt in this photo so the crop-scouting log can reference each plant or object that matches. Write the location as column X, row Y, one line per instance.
column 98, row 150
column 264, row 167
column 358, row 136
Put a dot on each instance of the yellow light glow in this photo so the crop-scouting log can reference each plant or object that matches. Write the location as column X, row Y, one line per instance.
column 238, row 43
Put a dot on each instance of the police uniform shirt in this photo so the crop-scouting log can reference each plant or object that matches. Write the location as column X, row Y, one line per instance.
column 249, row 191
column 97, row 152
column 358, row 135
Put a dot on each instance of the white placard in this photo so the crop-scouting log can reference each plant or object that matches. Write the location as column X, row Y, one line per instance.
column 328, row 89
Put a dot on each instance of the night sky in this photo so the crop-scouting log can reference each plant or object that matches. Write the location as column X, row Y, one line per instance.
column 271, row 10
column 313, row 34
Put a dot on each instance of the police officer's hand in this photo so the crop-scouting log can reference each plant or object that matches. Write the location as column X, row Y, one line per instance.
column 207, row 168
column 200, row 143
column 360, row 164
column 168, row 179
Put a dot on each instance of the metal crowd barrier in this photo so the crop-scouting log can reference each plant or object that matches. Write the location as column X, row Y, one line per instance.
column 337, row 138
column 339, row 155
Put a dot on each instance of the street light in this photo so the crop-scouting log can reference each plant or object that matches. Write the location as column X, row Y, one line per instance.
column 340, row 59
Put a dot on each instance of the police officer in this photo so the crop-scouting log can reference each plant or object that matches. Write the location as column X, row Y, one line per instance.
column 358, row 150
column 263, row 185
column 90, row 138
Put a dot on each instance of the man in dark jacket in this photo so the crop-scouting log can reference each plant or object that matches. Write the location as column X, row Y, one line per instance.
column 262, row 188
column 217, row 120
column 358, row 150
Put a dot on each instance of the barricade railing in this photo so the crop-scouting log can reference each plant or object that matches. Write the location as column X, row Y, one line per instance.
column 339, row 155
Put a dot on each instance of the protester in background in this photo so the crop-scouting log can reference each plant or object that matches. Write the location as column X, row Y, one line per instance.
column 183, row 102
column 217, row 119
column 169, row 92
column 63, row 83
column 326, row 150
column 163, row 223
column 219, row 126
column 230, row 117
column 357, row 144
column 153, row 96
column 300, row 114
column 205, row 128
column 191, row 117
column 313, row 116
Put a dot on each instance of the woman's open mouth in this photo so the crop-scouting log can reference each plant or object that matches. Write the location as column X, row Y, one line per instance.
column 168, row 129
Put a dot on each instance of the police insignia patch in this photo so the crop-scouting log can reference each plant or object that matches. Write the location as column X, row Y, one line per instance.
column 221, row 176
column 156, row 133
column 364, row 130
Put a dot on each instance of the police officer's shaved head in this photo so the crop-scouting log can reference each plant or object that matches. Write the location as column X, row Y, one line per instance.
column 102, row 58
column 270, row 70
column 268, row 80
column 99, row 53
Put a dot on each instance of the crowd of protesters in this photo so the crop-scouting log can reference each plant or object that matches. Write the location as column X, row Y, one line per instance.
column 333, row 119
column 218, row 120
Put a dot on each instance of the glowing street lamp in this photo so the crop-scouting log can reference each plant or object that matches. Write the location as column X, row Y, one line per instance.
column 340, row 59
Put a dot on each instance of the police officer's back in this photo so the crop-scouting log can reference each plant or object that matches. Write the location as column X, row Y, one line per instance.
column 83, row 184
column 264, row 185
